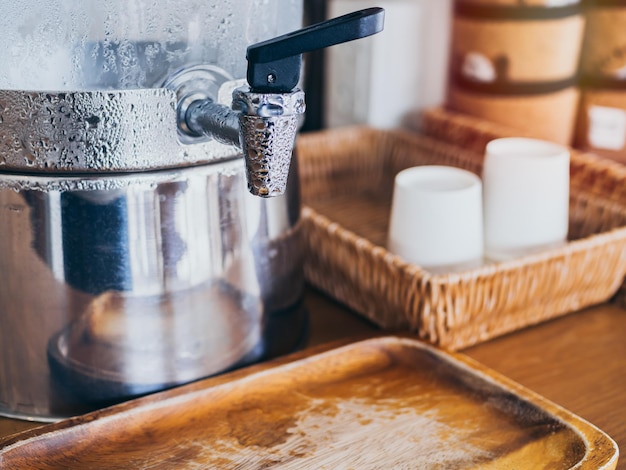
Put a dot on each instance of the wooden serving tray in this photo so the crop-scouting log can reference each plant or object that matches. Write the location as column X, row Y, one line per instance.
column 381, row 403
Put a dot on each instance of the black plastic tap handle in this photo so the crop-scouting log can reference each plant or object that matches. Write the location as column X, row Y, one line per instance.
column 274, row 65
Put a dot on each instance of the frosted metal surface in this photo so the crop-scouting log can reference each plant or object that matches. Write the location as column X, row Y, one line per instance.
column 68, row 68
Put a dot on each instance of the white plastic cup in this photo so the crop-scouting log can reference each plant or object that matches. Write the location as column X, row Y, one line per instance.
column 436, row 218
column 526, row 197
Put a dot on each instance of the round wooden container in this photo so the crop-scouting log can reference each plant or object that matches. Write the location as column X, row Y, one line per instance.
column 549, row 116
column 517, row 64
column 601, row 125
column 604, row 49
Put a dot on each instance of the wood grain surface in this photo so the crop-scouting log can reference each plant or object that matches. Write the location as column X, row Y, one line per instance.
column 578, row 361
column 381, row 403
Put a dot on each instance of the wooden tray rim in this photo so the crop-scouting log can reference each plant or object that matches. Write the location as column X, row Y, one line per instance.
column 593, row 437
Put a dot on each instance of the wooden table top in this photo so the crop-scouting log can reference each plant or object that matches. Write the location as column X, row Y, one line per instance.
column 577, row 361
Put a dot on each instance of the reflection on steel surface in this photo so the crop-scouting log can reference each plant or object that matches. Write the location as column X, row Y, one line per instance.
column 131, row 283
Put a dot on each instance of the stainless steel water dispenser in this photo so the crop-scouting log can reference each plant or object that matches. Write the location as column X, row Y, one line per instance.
column 132, row 257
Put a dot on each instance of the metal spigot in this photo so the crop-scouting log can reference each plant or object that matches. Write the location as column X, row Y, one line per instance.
column 264, row 117
column 263, row 125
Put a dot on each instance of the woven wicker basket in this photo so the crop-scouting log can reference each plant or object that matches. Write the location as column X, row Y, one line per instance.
column 347, row 183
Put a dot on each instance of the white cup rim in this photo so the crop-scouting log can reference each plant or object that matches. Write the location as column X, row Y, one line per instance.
column 525, row 147
column 436, row 178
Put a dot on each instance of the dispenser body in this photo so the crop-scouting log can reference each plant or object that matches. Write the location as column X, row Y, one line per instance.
column 132, row 261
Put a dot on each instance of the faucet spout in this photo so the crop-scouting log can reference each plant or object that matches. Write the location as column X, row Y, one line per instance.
column 268, row 125
column 263, row 125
